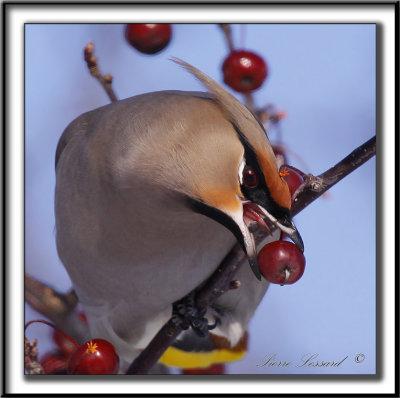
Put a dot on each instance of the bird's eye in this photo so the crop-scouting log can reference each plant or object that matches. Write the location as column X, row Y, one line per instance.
column 250, row 178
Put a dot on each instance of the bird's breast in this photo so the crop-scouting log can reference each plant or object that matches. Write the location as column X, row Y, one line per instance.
column 141, row 250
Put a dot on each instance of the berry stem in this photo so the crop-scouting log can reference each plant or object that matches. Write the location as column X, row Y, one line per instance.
column 226, row 28
column 242, row 35
column 55, row 328
column 287, row 276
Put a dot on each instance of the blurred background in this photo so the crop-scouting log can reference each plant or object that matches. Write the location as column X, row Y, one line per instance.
column 323, row 78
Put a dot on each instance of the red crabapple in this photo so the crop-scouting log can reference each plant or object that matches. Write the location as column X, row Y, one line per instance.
column 148, row 38
column 292, row 178
column 281, row 262
column 244, row 71
column 95, row 357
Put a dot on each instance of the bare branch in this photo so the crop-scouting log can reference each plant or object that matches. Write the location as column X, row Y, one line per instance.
column 58, row 307
column 316, row 186
column 92, row 63
column 221, row 280
column 46, row 300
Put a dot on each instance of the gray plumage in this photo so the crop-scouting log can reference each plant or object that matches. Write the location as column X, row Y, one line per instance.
column 124, row 230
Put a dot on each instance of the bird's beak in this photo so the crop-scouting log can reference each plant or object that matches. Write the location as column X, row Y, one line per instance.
column 238, row 223
column 287, row 227
column 250, row 213
column 255, row 213
column 294, row 235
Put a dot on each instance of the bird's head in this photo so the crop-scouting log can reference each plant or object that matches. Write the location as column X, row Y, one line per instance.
column 230, row 172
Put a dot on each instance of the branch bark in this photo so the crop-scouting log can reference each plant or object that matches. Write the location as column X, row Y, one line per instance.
column 220, row 281
column 314, row 187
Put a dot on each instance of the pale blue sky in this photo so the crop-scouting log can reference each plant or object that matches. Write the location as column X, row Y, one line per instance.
column 323, row 76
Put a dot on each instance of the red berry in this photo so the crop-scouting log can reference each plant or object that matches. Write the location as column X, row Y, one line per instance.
column 54, row 363
column 292, row 178
column 215, row 369
column 244, row 71
column 148, row 38
column 281, row 262
column 95, row 357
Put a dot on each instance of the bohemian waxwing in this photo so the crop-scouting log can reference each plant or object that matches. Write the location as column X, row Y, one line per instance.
column 152, row 192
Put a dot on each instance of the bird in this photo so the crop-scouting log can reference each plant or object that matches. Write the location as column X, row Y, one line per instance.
column 151, row 194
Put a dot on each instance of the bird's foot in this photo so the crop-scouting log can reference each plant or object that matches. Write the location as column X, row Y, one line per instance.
column 186, row 314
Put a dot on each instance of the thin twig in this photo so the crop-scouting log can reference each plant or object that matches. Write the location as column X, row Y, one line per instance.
column 220, row 281
column 226, row 28
column 92, row 63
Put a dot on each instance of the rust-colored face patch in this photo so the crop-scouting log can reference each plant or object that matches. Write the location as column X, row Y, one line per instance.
column 277, row 186
column 225, row 200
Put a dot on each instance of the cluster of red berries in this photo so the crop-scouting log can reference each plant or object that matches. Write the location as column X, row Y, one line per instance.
column 281, row 261
column 94, row 357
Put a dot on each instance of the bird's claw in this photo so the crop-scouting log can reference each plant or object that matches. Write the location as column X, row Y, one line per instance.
column 186, row 314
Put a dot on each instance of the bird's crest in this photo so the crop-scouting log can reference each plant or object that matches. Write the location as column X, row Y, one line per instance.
column 231, row 106
column 249, row 127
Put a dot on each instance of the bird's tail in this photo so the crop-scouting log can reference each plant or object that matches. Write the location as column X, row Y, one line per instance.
column 202, row 352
